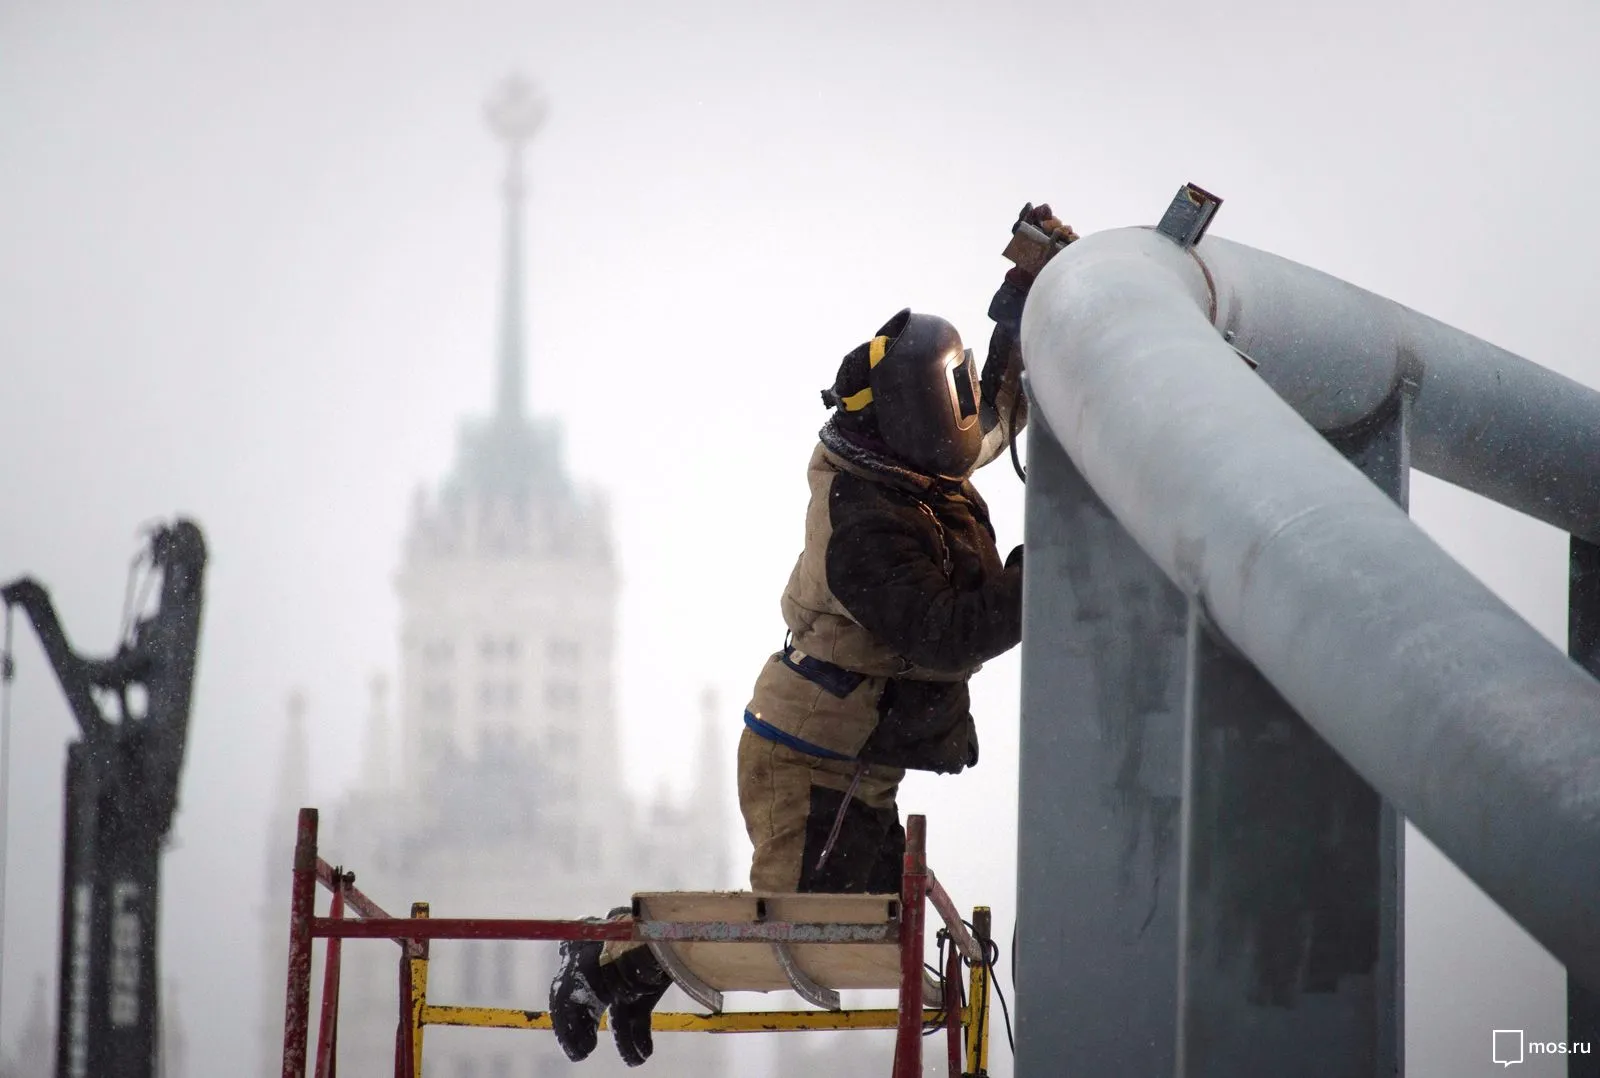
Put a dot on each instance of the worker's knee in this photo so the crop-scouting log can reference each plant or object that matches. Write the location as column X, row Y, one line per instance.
column 790, row 805
column 864, row 845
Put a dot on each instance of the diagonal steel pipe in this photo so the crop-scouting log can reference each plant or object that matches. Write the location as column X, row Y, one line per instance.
column 1481, row 417
column 1442, row 697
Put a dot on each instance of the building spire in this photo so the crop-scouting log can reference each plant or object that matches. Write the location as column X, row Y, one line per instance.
column 514, row 112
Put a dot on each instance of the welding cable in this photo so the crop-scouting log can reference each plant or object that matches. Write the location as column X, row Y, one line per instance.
column 838, row 819
column 1000, row 993
column 991, row 952
column 1011, row 435
column 937, row 1023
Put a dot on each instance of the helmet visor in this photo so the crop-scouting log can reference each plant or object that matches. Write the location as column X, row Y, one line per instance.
column 962, row 376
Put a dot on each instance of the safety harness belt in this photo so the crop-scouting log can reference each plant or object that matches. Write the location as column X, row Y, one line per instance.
column 765, row 729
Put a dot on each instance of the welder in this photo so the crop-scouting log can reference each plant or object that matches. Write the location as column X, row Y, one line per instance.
column 898, row 597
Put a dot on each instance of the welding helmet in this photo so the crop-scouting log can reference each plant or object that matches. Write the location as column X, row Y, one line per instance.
column 915, row 389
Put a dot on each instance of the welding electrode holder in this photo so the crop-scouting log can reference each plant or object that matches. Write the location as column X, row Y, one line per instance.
column 1031, row 246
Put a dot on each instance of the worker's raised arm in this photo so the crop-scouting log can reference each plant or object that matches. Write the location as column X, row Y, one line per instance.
column 1003, row 408
column 1036, row 237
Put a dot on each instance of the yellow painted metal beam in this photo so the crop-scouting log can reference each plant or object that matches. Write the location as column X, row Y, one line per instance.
column 419, row 993
column 976, row 1018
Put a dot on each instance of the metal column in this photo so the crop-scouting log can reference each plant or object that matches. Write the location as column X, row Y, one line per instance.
column 1583, row 644
column 1285, row 952
column 1097, row 866
column 1291, row 907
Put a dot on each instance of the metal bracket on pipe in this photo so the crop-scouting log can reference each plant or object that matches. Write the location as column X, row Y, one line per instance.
column 1240, row 352
column 1190, row 214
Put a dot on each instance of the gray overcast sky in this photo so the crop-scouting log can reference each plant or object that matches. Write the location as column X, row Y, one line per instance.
column 248, row 269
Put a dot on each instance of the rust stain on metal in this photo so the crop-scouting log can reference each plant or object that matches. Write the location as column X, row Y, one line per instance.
column 1211, row 287
column 913, row 911
column 952, row 920
column 363, row 906
column 328, row 1023
column 762, row 931
column 466, row 928
column 302, row 906
column 305, row 854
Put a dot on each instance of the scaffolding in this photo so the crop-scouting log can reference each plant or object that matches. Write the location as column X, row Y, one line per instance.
column 709, row 942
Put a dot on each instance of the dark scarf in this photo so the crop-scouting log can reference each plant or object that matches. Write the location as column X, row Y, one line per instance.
column 869, row 452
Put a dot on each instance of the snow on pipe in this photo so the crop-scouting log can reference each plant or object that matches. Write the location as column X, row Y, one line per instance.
column 1441, row 696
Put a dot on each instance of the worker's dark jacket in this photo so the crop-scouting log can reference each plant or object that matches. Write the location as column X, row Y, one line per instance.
column 898, row 598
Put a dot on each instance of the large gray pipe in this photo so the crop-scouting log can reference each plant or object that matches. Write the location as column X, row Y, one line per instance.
column 1483, row 418
column 1452, row 706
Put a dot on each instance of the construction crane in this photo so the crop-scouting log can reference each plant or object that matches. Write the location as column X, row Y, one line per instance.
column 132, row 710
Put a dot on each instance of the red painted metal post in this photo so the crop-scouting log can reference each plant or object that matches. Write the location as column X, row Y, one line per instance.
column 913, row 890
column 302, row 907
column 502, row 928
column 328, row 1023
column 402, row 1029
column 363, row 906
column 952, row 1008
column 952, row 920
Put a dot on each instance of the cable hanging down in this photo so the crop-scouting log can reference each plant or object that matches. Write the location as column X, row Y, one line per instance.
column 1016, row 462
column 980, row 1024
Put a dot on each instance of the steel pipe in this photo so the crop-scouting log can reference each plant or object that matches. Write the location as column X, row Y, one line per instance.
column 1435, row 691
column 1482, row 418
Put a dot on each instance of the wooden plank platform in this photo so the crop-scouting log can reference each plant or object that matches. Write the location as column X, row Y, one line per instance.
column 754, row 967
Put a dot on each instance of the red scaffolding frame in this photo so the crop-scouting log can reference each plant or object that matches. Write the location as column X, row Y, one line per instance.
column 905, row 928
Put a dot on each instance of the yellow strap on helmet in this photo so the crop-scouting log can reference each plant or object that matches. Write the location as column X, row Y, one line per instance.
column 856, row 401
column 876, row 349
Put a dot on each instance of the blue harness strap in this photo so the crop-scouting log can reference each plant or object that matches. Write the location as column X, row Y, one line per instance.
column 789, row 741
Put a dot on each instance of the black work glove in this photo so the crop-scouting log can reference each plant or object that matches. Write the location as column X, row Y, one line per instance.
column 1041, row 218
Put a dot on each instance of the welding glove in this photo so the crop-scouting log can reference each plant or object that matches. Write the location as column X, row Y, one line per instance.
column 1006, row 306
column 577, row 998
column 637, row 983
column 582, row 990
